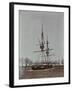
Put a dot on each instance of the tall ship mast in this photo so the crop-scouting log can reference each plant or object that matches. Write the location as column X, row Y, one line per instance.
column 44, row 51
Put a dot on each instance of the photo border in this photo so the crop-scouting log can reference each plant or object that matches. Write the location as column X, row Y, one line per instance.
column 11, row 42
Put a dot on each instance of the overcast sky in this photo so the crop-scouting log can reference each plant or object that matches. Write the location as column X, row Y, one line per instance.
column 30, row 27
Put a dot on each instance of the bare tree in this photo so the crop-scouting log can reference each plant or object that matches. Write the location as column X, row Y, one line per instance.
column 21, row 61
column 62, row 61
column 28, row 62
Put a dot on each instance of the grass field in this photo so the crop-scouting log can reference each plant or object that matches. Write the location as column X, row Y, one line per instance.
column 28, row 73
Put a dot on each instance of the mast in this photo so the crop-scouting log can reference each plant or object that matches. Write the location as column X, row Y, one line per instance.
column 42, row 35
column 42, row 45
column 47, row 49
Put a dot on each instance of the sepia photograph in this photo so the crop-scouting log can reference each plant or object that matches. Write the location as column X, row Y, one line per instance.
column 41, row 44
